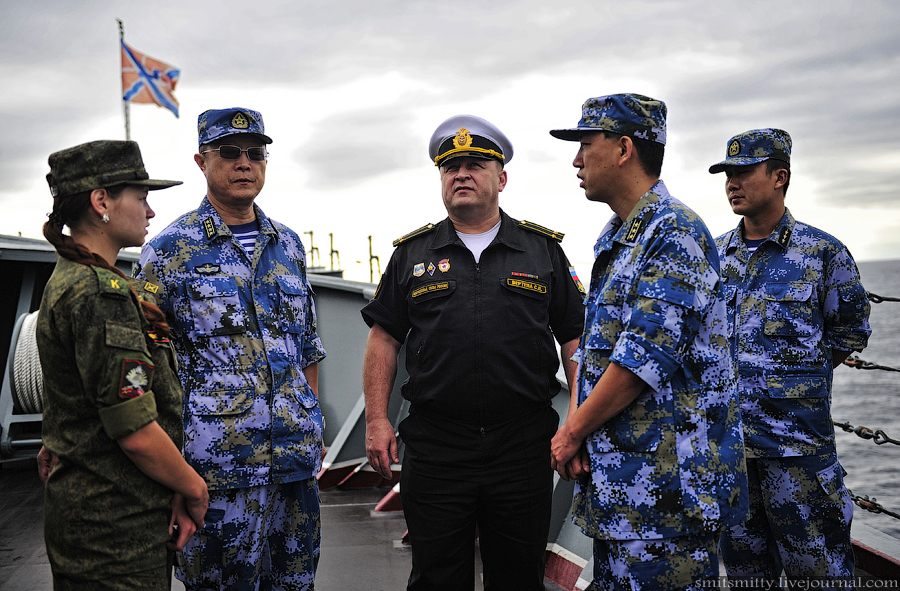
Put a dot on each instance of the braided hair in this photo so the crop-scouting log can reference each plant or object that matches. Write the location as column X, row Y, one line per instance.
column 68, row 211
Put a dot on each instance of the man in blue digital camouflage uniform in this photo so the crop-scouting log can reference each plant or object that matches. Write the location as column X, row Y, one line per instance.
column 654, row 433
column 233, row 285
column 479, row 299
column 796, row 308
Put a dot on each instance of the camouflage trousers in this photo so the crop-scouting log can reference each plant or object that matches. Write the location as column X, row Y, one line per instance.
column 800, row 513
column 157, row 579
column 650, row 565
column 256, row 539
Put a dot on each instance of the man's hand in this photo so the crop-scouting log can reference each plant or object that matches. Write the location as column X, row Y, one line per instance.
column 181, row 525
column 580, row 464
column 381, row 446
column 568, row 455
column 46, row 461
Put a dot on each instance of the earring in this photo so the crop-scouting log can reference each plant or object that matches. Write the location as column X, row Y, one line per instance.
column 105, row 218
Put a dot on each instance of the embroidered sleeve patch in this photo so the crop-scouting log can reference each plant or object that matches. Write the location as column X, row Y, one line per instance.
column 135, row 379
column 577, row 281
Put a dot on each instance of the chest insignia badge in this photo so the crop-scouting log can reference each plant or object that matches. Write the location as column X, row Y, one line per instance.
column 431, row 268
column 207, row 269
column 444, row 265
column 419, row 269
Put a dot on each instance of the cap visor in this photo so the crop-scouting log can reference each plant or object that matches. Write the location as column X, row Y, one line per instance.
column 265, row 139
column 154, row 185
column 738, row 161
column 479, row 155
column 570, row 135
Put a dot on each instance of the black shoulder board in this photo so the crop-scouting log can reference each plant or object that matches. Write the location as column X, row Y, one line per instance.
column 558, row 236
column 423, row 230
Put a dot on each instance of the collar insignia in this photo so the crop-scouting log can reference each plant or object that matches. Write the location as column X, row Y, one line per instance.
column 784, row 237
column 209, row 227
column 635, row 229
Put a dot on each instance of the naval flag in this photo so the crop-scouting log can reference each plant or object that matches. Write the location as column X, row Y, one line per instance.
column 147, row 80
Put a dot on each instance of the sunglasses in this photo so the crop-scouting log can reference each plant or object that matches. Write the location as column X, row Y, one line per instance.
column 234, row 152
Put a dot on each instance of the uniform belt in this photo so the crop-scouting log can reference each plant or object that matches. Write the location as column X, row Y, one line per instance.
column 477, row 418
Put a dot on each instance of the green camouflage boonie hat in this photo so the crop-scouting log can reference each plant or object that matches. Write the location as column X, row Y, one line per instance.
column 97, row 165
column 634, row 115
column 756, row 145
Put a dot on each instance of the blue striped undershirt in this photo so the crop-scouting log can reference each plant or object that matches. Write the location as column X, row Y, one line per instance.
column 246, row 235
column 751, row 244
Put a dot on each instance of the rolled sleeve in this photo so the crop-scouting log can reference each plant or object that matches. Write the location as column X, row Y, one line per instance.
column 313, row 351
column 129, row 416
column 846, row 306
column 645, row 359
column 850, row 328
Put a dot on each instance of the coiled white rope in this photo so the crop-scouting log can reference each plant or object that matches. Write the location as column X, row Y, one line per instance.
column 28, row 382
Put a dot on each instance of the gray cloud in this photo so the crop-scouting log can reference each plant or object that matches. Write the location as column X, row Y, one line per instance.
column 825, row 70
column 346, row 148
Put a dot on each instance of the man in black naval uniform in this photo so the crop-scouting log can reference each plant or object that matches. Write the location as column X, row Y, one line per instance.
column 478, row 298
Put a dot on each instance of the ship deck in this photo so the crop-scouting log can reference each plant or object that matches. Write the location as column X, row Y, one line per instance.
column 360, row 550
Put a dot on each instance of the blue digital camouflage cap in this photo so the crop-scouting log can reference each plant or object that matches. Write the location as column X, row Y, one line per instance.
column 756, row 145
column 215, row 124
column 467, row 135
column 633, row 115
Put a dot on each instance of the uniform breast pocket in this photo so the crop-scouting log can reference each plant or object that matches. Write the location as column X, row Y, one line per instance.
column 216, row 307
column 789, row 309
column 531, row 288
column 292, row 296
column 433, row 290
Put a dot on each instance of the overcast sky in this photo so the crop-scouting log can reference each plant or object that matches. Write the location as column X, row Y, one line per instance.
column 352, row 90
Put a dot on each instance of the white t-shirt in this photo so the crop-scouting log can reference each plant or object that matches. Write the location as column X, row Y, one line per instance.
column 478, row 242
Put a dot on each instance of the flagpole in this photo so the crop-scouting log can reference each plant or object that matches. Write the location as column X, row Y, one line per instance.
column 125, row 104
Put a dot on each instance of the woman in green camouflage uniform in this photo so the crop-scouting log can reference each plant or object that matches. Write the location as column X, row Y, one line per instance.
column 119, row 496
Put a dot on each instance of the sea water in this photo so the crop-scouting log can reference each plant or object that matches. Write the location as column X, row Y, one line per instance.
column 871, row 398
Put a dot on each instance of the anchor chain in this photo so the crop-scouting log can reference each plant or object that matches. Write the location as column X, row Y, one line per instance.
column 871, row 505
column 856, row 363
column 877, row 299
column 876, row 435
